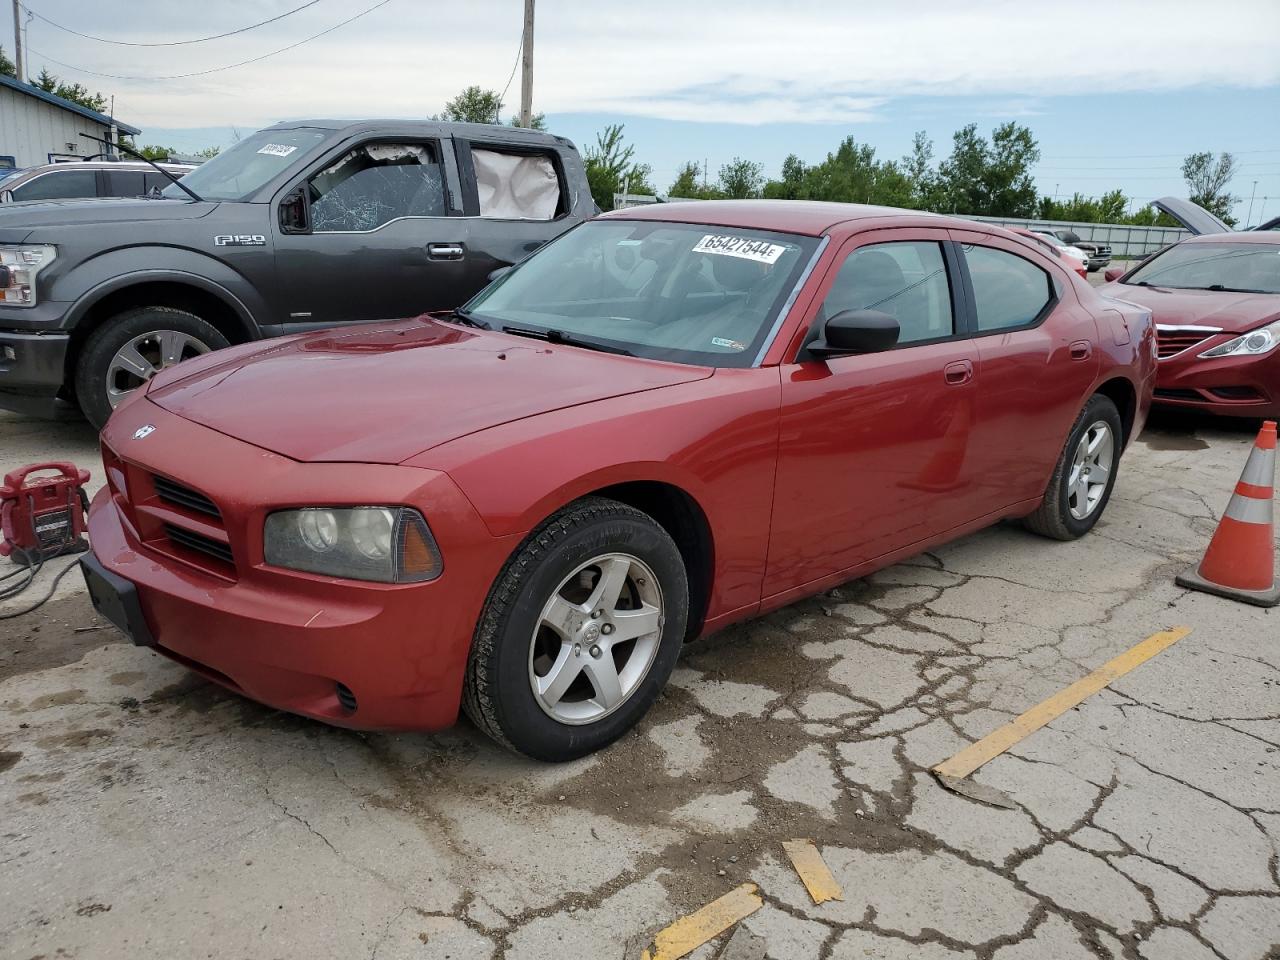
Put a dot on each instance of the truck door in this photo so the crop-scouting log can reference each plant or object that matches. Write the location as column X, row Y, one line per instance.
column 381, row 240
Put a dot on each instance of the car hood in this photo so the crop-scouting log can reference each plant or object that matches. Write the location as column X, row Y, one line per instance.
column 1233, row 312
column 386, row 392
column 1191, row 215
column 30, row 214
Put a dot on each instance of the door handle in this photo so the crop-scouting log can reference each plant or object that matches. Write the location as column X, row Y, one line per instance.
column 957, row 372
column 444, row 251
column 1081, row 350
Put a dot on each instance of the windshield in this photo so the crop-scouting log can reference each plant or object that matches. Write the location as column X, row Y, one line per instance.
column 1245, row 267
column 666, row 291
column 1051, row 239
column 236, row 173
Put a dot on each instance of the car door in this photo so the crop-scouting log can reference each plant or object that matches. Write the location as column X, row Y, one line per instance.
column 381, row 240
column 1036, row 350
column 874, row 449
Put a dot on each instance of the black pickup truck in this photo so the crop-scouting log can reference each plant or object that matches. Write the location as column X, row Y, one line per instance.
column 301, row 225
column 1099, row 253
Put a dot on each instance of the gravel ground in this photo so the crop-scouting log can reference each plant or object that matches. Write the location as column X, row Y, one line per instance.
column 149, row 813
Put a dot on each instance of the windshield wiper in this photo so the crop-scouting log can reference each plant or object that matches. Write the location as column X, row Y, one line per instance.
column 469, row 319
column 134, row 153
column 567, row 339
column 1221, row 288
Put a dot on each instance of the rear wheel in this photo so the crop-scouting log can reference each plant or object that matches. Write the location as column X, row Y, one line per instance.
column 132, row 347
column 580, row 632
column 1085, row 474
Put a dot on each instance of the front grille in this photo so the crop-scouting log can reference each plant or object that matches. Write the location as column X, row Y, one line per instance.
column 1163, row 393
column 198, row 542
column 178, row 495
column 1170, row 343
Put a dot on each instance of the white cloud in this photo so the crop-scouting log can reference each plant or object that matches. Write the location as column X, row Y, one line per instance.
column 717, row 60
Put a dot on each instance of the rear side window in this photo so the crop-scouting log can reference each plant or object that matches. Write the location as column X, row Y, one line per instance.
column 59, row 185
column 1008, row 291
column 516, row 186
column 376, row 183
column 125, row 183
column 906, row 280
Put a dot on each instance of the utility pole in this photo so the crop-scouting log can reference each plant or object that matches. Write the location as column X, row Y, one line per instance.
column 526, row 73
column 20, row 51
column 1249, row 216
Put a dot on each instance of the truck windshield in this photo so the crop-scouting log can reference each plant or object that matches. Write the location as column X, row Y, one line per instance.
column 1240, row 267
column 238, row 172
column 667, row 291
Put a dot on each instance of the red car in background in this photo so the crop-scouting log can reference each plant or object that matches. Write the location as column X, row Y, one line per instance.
column 1216, row 303
column 667, row 420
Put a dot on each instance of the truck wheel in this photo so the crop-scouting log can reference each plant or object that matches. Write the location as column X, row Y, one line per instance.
column 580, row 632
column 132, row 347
column 1084, row 476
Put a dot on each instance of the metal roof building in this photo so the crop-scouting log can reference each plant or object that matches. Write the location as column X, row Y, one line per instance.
column 37, row 127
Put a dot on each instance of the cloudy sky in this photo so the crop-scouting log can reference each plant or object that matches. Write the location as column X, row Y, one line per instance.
column 1116, row 97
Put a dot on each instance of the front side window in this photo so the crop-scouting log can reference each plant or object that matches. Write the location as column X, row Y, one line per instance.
column 376, row 183
column 1008, row 291
column 241, row 171
column 906, row 280
column 59, row 185
column 666, row 291
column 1235, row 267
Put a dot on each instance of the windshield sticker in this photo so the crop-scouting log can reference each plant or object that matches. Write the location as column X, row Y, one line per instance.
column 727, row 343
column 277, row 149
column 761, row 251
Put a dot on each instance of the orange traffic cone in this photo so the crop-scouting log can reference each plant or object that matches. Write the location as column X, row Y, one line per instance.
column 1240, row 561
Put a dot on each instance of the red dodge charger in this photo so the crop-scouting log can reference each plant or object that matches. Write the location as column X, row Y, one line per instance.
column 665, row 421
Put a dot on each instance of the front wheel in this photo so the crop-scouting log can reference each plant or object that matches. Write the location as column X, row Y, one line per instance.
column 1085, row 474
column 132, row 347
column 580, row 632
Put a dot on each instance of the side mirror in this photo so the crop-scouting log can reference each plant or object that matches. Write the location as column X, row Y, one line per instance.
column 856, row 331
column 295, row 212
column 500, row 272
column 1112, row 274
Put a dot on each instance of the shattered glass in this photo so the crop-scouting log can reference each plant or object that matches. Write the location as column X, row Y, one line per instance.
column 375, row 184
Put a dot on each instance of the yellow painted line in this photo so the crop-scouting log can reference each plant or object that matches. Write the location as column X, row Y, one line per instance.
column 813, row 870
column 974, row 756
column 689, row 933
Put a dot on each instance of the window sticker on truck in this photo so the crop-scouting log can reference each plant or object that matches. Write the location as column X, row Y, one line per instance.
column 761, row 251
column 277, row 149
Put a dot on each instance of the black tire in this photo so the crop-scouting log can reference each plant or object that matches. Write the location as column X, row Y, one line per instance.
column 1053, row 518
column 94, row 361
column 498, row 695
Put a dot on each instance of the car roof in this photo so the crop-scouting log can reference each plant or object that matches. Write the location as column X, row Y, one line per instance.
column 107, row 165
column 1240, row 236
column 811, row 217
column 427, row 128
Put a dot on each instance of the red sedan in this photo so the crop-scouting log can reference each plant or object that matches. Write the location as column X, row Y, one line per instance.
column 667, row 420
column 1216, row 301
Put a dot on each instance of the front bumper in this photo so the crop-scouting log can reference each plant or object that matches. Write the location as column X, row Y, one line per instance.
column 1226, row 386
column 289, row 640
column 31, row 370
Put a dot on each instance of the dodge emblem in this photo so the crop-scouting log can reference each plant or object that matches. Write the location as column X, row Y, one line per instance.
column 144, row 431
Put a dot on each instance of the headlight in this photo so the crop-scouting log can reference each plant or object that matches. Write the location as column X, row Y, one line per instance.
column 19, row 264
column 1251, row 344
column 384, row 544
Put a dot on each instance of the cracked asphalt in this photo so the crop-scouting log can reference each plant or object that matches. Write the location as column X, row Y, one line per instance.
column 149, row 813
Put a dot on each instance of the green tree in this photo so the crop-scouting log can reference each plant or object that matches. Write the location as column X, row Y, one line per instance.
column 990, row 178
column 209, row 152
column 474, row 105
column 7, row 67
column 741, row 179
column 536, row 122
column 917, row 167
column 46, row 81
column 153, row 152
column 610, row 167
column 75, row 92
column 688, row 184
column 1207, row 181
column 788, row 187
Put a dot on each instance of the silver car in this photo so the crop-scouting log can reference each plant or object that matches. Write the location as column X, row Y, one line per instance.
column 77, row 179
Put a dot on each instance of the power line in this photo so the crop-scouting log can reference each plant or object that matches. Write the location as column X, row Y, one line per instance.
column 1150, row 156
column 230, row 66
column 171, row 43
column 514, row 67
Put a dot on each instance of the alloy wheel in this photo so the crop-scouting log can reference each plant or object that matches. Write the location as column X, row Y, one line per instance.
column 1091, row 467
column 596, row 638
column 144, row 356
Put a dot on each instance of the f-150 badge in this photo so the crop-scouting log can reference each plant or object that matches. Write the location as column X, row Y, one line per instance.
column 240, row 240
